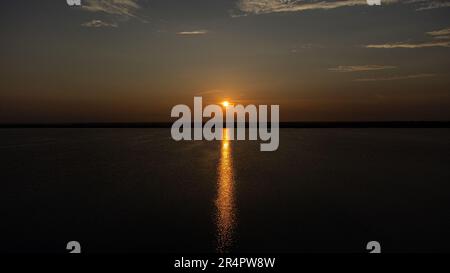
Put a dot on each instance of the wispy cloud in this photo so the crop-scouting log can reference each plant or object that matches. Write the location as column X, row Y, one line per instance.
column 396, row 78
column 428, row 5
column 271, row 6
column 98, row 24
column 442, row 39
column 360, row 68
column 440, row 34
column 411, row 45
column 193, row 32
column 123, row 8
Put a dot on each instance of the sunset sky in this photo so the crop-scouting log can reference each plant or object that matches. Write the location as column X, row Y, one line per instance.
column 133, row 60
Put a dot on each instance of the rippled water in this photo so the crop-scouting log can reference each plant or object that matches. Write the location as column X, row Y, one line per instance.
column 138, row 190
column 225, row 197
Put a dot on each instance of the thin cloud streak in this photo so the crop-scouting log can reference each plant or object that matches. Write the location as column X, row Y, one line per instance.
column 123, row 8
column 410, row 45
column 273, row 6
column 396, row 78
column 98, row 24
column 434, row 5
column 192, row 33
column 440, row 33
column 441, row 40
column 360, row 68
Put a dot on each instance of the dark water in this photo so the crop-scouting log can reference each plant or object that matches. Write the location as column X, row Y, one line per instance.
column 324, row 190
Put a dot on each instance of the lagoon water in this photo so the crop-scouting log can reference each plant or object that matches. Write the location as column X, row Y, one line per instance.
column 137, row 190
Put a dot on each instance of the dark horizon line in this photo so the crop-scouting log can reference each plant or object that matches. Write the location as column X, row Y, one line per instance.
column 299, row 124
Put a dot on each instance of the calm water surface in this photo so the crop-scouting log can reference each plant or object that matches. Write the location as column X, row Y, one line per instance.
column 137, row 190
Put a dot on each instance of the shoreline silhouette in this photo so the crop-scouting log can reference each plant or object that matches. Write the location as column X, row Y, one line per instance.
column 301, row 124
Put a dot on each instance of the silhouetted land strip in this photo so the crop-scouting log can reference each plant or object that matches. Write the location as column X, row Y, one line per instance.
column 388, row 124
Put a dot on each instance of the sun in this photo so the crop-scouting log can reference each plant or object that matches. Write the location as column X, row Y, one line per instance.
column 225, row 104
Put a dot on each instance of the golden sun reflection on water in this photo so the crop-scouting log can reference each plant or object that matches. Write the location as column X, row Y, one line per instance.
column 225, row 196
